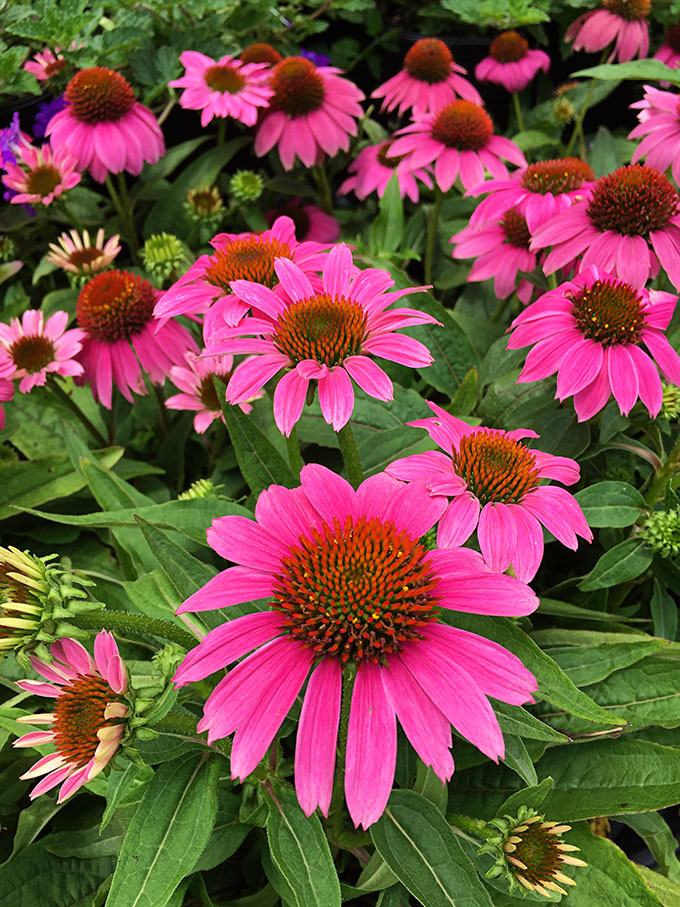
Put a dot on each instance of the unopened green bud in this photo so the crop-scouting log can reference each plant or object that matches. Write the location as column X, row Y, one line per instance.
column 201, row 488
column 670, row 407
column 205, row 206
column 246, row 186
column 8, row 249
column 164, row 256
column 661, row 532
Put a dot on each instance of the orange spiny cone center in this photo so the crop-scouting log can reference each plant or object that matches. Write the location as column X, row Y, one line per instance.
column 630, row 10
column 515, row 229
column 32, row 353
column 42, row 180
column 79, row 714
column 561, row 175
column 610, row 311
column 429, row 60
column 509, row 47
column 246, row 259
column 98, row 95
column 298, row 88
column 463, row 125
column 358, row 589
column 224, row 79
column 325, row 328
column 115, row 305
column 260, row 52
column 81, row 257
column 497, row 469
column 633, row 200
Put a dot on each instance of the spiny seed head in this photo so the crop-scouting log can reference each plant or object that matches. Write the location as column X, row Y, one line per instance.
column 327, row 329
column 260, row 52
column 246, row 186
column 630, row 10
column 670, row 407
column 224, row 79
column 32, row 353
column 515, row 228
column 560, row 175
column 251, row 258
column 463, row 125
column 496, row 468
column 661, row 532
column 610, row 312
column 298, row 88
column 509, row 47
column 633, row 201
column 115, row 305
column 99, row 95
column 429, row 60
column 164, row 255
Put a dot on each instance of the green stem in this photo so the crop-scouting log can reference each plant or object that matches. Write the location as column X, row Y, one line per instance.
column 477, row 828
column 127, row 210
column 58, row 391
column 334, row 823
column 323, row 188
column 294, row 455
column 518, row 112
column 221, row 131
column 552, row 280
column 657, row 488
column 350, row 454
column 162, row 411
column 432, row 233
column 581, row 115
column 500, row 308
column 136, row 624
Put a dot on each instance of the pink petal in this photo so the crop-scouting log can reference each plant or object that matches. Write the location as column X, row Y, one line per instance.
column 497, row 536
column 317, row 737
column 230, row 587
column 459, row 522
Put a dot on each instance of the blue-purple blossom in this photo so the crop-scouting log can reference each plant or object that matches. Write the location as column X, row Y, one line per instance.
column 9, row 141
column 315, row 58
column 46, row 111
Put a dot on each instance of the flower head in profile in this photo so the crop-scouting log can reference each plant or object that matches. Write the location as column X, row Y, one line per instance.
column 459, row 140
column 45, row 64
column 374, row 167
column 328, row 334
column 659, row 127
column 103, row 127
column 87, row 719
column 510, row 62
column 589, row 330
column 623, row 21
column 627, row 224
column 41, row 175
column 494, row 481
column 429, row 80
column 669, row 52
column 260, row 52
column 81, row 256
column 311, row 222
column 312, row 113
column 538, row 191
column 227, row 87
column 123, row 340
column 351, row 588
column 33, row 347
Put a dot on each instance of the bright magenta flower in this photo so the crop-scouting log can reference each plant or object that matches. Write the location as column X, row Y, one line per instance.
column 88, row 717
column 659, row 118
column 45, row 64
column 122, row 337
column 627, row 212
column 669, row 52
column 327, row 334
column 622, row 20
column 429, row 80
column 348, row 582
column 44, row 176
column 510, row 62
column 494, row 481
column 104, row 127
column 312, row 113
column 223, row 88
column 589, row 331
column 311, row 223
column 372, row 170
column 459, row 141
column 33, row 347
column 6, row 394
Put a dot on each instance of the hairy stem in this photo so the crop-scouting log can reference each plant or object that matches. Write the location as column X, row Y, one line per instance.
column 134, row 624
column 350, row 454
column 432, row 233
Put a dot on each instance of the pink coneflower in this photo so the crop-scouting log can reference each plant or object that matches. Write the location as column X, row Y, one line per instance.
column 32, row 348
column 622, row 20
column 589, row 331
column 49, row 174
column 660, row 125
column 510, row 62
column 311, row 114
column 501, row 250
column 103, row 127
column 311, row 223
column 459, row 140
column 45, row 64
column 260, row 52
column 223, row 88
column 629, row 220
column 237, row 256
column 494, row 482
column 320, row 553
column 429, row 80
column 6, row 394
column 87, row 719
column 80, row 255
column 115, row 309
column 669, row 52
column 372, row 170
column 538, row 192
column 328, row 335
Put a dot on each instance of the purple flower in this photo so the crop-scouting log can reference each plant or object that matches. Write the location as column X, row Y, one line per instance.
column 9, row 141
column 46, row 111
column 316, row 59
column 9, row 194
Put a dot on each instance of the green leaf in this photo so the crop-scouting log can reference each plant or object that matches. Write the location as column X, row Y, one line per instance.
column 376, row 875
column 31, row 822
column 227, row 835
column 531, row 139
column 532, row 797
column 124, row 787
column 635, row 69
column 515, row 720
column 664, row 612
column 418, row 845
column 518, row 759
column 386, row 231
column 261, row 464
column 654, row 831
column 666, row 891
column 300, row 851
column 451, row 350
column 623, row 562
column 566, row 609
column 615, row 504
column 168, row 832
column 186, row 573
column 36, row 876
column 587, row 664
column 428, row 785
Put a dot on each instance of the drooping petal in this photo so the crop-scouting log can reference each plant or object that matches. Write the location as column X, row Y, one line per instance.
column 317, row 737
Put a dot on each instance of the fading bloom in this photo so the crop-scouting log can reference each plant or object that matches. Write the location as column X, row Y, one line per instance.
column 669, row 52
column 260, row 52
column 45, row 64
column 374, row 167
column 205, row 207
column 429, row 80
column 87, row 720
column 311, row 223
column 49, row 174
column 589, row 330
column 104, row 127
column 624, row 21
column 32, row 348
column 122, row 337
column 660, row 127
column 6, row 394
column 494, row 482
column 82, row 257
column 227, row 87
column 510, row 62
column 312, row 113
column 459, row 140
column 319, row 553
column 627, row 225
column 327, row 334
